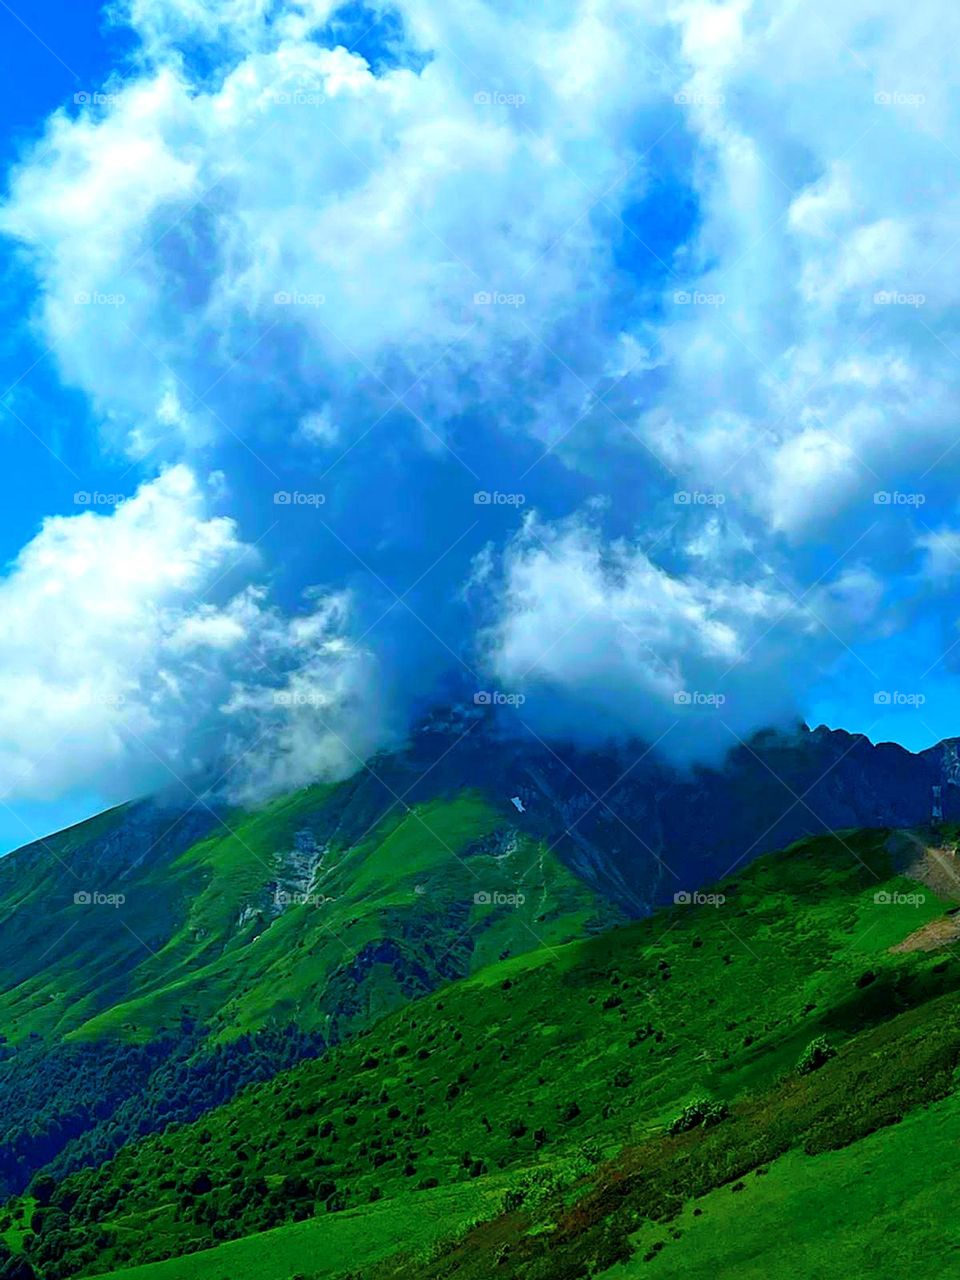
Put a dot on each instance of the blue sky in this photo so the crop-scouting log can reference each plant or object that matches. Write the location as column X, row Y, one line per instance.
column 291, row 284
column 63, row 51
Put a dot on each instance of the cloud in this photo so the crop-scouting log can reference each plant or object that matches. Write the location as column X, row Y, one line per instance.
column 824, row 373
column 298, row 222
column 678, row 277
column 136, row 651
column 941, row 555
column 608, row 644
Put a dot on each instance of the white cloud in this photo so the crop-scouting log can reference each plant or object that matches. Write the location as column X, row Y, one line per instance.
column 301, row 174
column 610, row 642
column 318, row 427
column 828, row 135
column 132, row 654
column 311, row 238
column 941, row 555
column 243, row 23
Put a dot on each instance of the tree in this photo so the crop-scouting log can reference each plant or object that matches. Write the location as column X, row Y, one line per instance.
column 42, row 1188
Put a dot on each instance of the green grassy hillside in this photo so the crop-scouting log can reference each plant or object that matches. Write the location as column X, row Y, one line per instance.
column 878, row 1208
column 334, row 1243
column 565, row 1066
column 146, row 974
column 271, row 918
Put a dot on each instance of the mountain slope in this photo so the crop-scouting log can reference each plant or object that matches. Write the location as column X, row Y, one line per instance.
column 599, row 1043
column 270, row 917
column 872, row 1208
column 196, row 949
column 393, row 858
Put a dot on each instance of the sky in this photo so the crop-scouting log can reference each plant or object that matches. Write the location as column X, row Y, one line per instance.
column 596, row 359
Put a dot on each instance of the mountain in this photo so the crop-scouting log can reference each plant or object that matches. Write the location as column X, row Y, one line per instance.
column 204, row 975
column 578, row 1109
column 639, row 830
column 331, row 905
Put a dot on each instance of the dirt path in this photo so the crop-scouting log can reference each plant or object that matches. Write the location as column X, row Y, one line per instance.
column 938, row 867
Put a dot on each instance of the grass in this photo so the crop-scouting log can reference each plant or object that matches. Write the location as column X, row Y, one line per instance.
column 601, row 1040
column 651, row 1192
column 339, row 1242
column 19, row 1224
column 882, row 1207
column 199, row 933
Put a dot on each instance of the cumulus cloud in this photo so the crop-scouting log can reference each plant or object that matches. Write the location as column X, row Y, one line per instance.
column 136, row 651
column 940, row 550
column 825, row 371
column 607, row 644
column 300, row 221
column 685, row 268
column 806, row 358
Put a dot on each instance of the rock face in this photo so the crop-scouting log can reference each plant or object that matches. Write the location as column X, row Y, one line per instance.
column 640, row 830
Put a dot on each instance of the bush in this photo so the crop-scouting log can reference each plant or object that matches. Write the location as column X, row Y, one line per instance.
column 701, row 1113
column 512, row 1200
column 814, row 1056
column 42, row 1188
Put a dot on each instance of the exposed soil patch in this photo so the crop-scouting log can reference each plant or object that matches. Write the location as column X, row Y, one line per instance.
column 938, row 933
column 938, row 867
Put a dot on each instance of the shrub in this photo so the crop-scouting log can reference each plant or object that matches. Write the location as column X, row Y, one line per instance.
column 701, row 1113
column 512, row 1200
column 814, row 1056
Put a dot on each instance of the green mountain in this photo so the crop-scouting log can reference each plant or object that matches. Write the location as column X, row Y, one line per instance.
column 329, row 907
column 568, row 1110
column 141, row 990
column 261, row 920
column 405, row 1025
